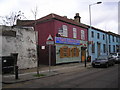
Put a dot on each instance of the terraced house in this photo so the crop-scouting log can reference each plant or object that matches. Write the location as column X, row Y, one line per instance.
column 97, row 43
column 102, row 43
column 113, row 42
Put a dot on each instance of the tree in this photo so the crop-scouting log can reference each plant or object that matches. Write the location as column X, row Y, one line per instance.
column 11, row 19
column 35, row 12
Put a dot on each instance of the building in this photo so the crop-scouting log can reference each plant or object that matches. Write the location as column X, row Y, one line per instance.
column 113, row 42
column 101, row 42
column 73, row 40
column 70, row 38
column 21, row 41
column 97, row 43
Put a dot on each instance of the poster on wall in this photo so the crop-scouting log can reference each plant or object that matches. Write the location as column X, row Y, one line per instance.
column 61, row 40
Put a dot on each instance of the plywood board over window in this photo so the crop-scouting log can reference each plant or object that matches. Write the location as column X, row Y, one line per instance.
column 64, row 52
column 75, row 52
column 69, row 52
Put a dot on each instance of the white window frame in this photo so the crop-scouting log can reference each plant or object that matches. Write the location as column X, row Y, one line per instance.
column 65, row 31
column 74, row 33
column 82, row 35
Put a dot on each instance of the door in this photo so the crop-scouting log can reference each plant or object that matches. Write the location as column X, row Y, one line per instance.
column 83, row 55
column 98, row 49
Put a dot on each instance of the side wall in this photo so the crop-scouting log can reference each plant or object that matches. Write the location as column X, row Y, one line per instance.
column 24, row 43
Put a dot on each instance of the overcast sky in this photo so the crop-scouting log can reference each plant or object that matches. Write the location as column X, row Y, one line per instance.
column 104, row 15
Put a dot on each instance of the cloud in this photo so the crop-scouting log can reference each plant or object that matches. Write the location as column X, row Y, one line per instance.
column 102, row 15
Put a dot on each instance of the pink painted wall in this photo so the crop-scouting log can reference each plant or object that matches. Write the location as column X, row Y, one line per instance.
column 44, row 29
column 52, row 27
column 58, row 24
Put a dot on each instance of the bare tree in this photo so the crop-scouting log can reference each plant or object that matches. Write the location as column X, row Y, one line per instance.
column 11, row 19
column 35, row 12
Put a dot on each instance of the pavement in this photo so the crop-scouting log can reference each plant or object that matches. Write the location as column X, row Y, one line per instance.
column 44, row 71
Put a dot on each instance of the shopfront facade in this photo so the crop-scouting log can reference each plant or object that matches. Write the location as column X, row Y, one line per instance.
column 70, row 39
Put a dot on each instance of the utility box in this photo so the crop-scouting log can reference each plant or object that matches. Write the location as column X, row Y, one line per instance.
column 8, row 63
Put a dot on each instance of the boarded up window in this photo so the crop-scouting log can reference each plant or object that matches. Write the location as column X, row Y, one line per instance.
column 64, row 52
column 69, row 52
column 75, row 52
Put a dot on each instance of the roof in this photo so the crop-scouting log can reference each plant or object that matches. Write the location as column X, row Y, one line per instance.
column 49, row 17
column 111, row 33
column 60, row 18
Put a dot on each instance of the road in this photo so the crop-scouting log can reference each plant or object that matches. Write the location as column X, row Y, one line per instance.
column 86, row 78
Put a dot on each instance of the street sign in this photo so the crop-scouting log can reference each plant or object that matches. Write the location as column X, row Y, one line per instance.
column 49, row 38
column 49, row 42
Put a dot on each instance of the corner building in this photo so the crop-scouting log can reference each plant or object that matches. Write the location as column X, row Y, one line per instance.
column 70, row 39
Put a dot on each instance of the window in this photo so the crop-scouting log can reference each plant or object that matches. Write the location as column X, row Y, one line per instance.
column 109, row 38
column 113, row 48
column 98, row 35
column 93, row 48
column 104, row 48
column 82, row 35
column 74, row 33
column 92, row 34
column 69, row 52
column 113, row 38
column 109, row 48
column 117, row 39
column 75, row 52
column 65, row 31
column 64, row 52
column 103, row 37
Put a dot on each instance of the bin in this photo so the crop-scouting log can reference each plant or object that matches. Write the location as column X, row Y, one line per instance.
column 89, row 59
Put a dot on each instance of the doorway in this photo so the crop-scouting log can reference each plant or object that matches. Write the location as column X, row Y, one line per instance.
column 98, row 49
column 83, row 54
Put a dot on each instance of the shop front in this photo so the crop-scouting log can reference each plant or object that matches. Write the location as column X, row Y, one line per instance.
column 70, row 50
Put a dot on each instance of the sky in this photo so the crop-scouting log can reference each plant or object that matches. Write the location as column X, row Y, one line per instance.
column 103, row 16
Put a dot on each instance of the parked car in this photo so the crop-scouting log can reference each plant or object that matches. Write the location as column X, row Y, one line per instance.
column 116, row 57
column 103, row 61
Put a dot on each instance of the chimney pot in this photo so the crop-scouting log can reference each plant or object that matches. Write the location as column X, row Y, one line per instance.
column 77, row 18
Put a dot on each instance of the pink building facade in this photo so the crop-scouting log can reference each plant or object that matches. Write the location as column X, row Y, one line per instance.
column 70, row 39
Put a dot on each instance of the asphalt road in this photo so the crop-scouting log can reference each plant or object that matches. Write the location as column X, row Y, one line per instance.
column 86, row 78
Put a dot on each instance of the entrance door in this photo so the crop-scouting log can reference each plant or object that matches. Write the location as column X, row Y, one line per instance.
column 98, row 48
column 83, row 55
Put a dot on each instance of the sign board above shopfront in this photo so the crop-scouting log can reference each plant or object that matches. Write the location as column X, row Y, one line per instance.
column 61, row 40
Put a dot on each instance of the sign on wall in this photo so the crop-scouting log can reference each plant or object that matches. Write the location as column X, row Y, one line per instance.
column 61, row 40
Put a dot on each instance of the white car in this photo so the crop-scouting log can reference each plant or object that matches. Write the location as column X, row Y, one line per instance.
column 116, row 57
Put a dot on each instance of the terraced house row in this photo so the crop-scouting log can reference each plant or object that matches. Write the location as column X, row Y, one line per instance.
column 73, row 40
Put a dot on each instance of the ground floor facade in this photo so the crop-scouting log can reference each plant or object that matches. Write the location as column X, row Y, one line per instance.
column 65, row 50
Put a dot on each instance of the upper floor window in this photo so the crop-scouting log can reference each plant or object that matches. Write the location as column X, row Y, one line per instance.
column 65, row 30
column 98, row 35
column 82, row 35
column 117, row 39
column 74, row 33
column 109, row 38
column 92, row 34
column 113, row 38
column 103, row 37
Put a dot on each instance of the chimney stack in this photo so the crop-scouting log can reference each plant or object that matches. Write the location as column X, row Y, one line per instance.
column 77, row 18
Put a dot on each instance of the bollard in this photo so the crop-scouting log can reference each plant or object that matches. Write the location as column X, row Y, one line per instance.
column 85, row 62
column 16, row 72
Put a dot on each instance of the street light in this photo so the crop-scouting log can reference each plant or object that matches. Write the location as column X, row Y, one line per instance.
column 90, row 22
column 90, row 10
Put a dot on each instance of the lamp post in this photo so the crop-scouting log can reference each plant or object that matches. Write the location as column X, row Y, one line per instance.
column 90, row 20
column 90, row 10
